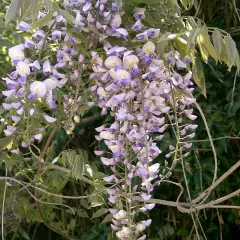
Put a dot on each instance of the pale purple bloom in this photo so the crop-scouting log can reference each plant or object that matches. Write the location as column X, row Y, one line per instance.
column 145, row 196
column 31, row 111
column 13, row 75
column 147, row 222
column 47, row 68
column 87, row 6
column 149, row 206
column 16, row 53
column 50, row 84
column 142, row 36
column 116, row 22
column 38, row 89
column 109, row 178
column 56, row 35
column 23, row 69
column 20, row 111
column 9, row 93
column 49, row 119
column 16, row 119
column 149, row 48
column 38, row 136
column 139, row 13
column 24, row 144
column 123, row 32
column 7, row 106
column 153, row 33
column 10, row 130
column 29, row 43
column 112, row 62
column 35, row 65
column 107, row 161
column 39, row 35
column 23, row 26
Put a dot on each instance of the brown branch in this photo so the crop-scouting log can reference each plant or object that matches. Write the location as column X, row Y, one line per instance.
column 215, row 184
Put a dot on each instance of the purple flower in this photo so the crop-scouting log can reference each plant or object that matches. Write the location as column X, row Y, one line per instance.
column 29, row 43
column 153, row 33
column 35, row 65
column 47, row 68
column 23, row 26
column 49, row 119
column 39, row 35
column 56, row 35
column 10, row 130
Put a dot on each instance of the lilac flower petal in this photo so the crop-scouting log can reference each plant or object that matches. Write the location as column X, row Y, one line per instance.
column 49, row 119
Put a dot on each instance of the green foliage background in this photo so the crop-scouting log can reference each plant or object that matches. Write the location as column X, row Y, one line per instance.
column 222, row 111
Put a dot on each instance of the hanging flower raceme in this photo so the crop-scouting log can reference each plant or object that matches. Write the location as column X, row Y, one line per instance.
column 140, row 90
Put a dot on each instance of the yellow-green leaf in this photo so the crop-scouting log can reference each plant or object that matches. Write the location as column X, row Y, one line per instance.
column 204, row 42
column 194, row 33
column 181, row 46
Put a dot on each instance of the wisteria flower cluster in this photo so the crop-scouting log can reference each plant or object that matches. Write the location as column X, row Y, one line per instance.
column 146, row 94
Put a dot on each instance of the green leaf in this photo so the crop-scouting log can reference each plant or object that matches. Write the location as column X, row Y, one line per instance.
column 23, row 233
column 3, row 157
column 82, row 213
column 65, row 14
column 181, row 45
column 48, row 4
column 42, row 21
column 100, row 212
column 108, row 218
column 13, row 10
column 146, row 1
column 4, row 142
column 198, row 75
column 84, row 203
column 78, row 167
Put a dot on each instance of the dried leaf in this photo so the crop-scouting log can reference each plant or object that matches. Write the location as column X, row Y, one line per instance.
column 231, row 50
column 217, row 42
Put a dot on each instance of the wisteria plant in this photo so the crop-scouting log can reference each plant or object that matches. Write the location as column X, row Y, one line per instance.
column 138, row 61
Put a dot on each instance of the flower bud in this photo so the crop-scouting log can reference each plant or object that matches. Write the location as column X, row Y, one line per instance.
column 126, row 231
column 69, row 132
column 120, row 215
column 77, row 119
column 140, row 227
